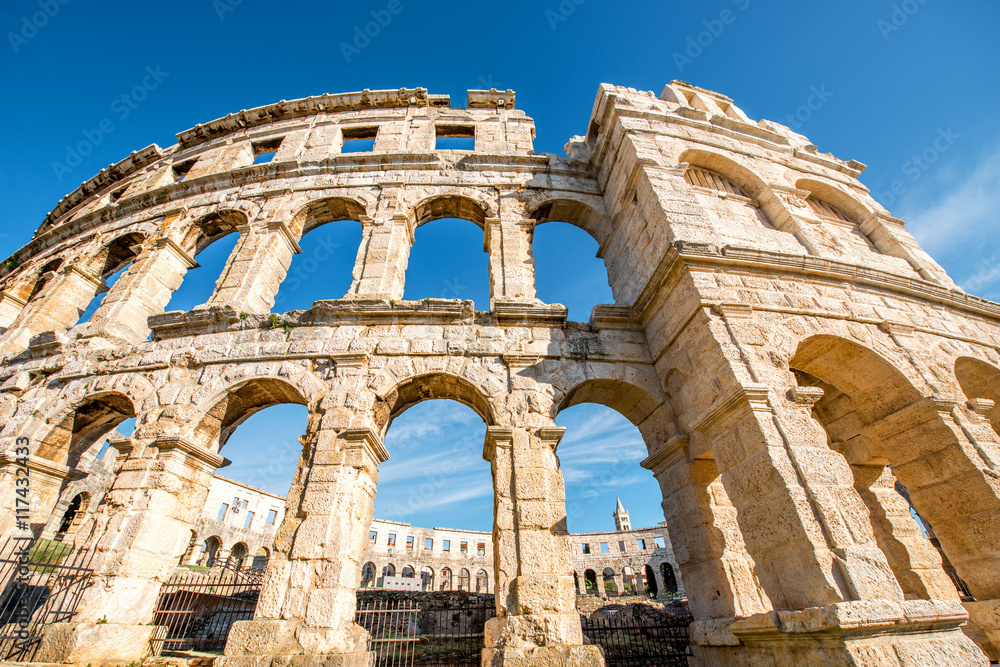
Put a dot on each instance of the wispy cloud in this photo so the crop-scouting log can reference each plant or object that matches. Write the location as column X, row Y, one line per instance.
column 958, row 224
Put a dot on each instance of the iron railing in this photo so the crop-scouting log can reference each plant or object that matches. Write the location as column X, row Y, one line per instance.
column 629, row 642
column 408, row 633
column 43, row 582
column 198, row 608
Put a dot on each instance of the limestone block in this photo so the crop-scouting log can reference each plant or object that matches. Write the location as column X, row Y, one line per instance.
column 95, row 643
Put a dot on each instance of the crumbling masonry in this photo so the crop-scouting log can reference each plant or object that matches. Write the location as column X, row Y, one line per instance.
column 784, row 346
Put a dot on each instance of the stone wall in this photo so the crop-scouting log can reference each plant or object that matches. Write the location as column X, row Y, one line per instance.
column 781, row 342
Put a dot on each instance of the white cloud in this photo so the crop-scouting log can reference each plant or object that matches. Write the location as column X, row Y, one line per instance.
column 960, row 226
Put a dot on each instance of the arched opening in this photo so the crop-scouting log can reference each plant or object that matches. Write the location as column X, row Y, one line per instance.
column 888, row 432
column 445, row 584
column 74, row 515
column 389, row 570
column 260, row 558
column 590, row 582
column 980, row 382
column 324, row 268
column 651, row 589
column 211, row 241
column 426, row 579
column 448, row 259
column 463, row 579
column 628, row 581
column 669, row 579
column 407, row 572
column 109, row 265
column 210, row 551
column 568, row 270
column 238, row 554
column 482, row 582
column 71, row 442
column 368, row 575
column 610, row 586
column 45, row 276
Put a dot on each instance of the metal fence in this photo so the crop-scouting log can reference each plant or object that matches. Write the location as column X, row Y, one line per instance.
column 43, row 582
column 408, row 633
column 630, row 642
column 198, row 607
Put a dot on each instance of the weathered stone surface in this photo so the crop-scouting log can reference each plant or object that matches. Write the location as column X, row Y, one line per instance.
column 785, row 347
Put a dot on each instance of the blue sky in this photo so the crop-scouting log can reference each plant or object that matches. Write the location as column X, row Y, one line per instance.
column 910, row 88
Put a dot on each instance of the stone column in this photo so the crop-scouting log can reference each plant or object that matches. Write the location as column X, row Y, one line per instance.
column 512, row 267
column 138, row 533
column 144, row 290
column 307, row 606
column 619, row 584
column 380, row 269
column 913, row 559
column 537, row 622
column 708, row 545
column 63, row 304
column 256, row 268
column 581, row 584
column 10, row 307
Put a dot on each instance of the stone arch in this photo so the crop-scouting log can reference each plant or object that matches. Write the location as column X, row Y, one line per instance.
column 227, row 409
column 586, row 216
column 746, row 179
column 876, row 417
column 429, row 386
column 408, row 572
column 669, row 578
column 445, row 582
column 608, row 584
column 464, row 206
column 464, row 580
column 115, row 255
column 482, row 581
column 650, row 580
column 81, row 424
column 368, row 575
column 837, row 198
column 427, row 578
column 43, row 277
column 318, row 212
column 645, row 406
column 980, row 380
column 238, row 553
column 590, row 581
column 74, row 513
column 389, row 570
column 211, row 227
column 210, row 550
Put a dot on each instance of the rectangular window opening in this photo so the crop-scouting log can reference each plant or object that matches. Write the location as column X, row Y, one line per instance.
column 586, row 548
column 359, row 139
column 372, row 536
column 641, row 544
column 264, row 151
column 455, row 137
column 446, row 545
column 464, row 547
column 181, row 170
column 621, row 547
column 249, row 520
column 409, row 541
column 428, row 544
column 222, row 511
column 604, row 548
column 660, row 544
column 272, row 516
column 481, row 549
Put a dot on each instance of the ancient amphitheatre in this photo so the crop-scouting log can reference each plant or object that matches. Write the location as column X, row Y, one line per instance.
column 785, row 347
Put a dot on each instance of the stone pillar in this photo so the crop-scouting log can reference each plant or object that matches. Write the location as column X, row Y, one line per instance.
column 812, row 544
column 10, row 307
column 708, row 545
column 256, row 268
column 512, row 267
column 139, row 531
column 144, row 290
column 61, row 307
column 913, row 559
column 380, row 269
column 537, row 622
column 307, row 606
column 619, row 584
column 581, row 584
